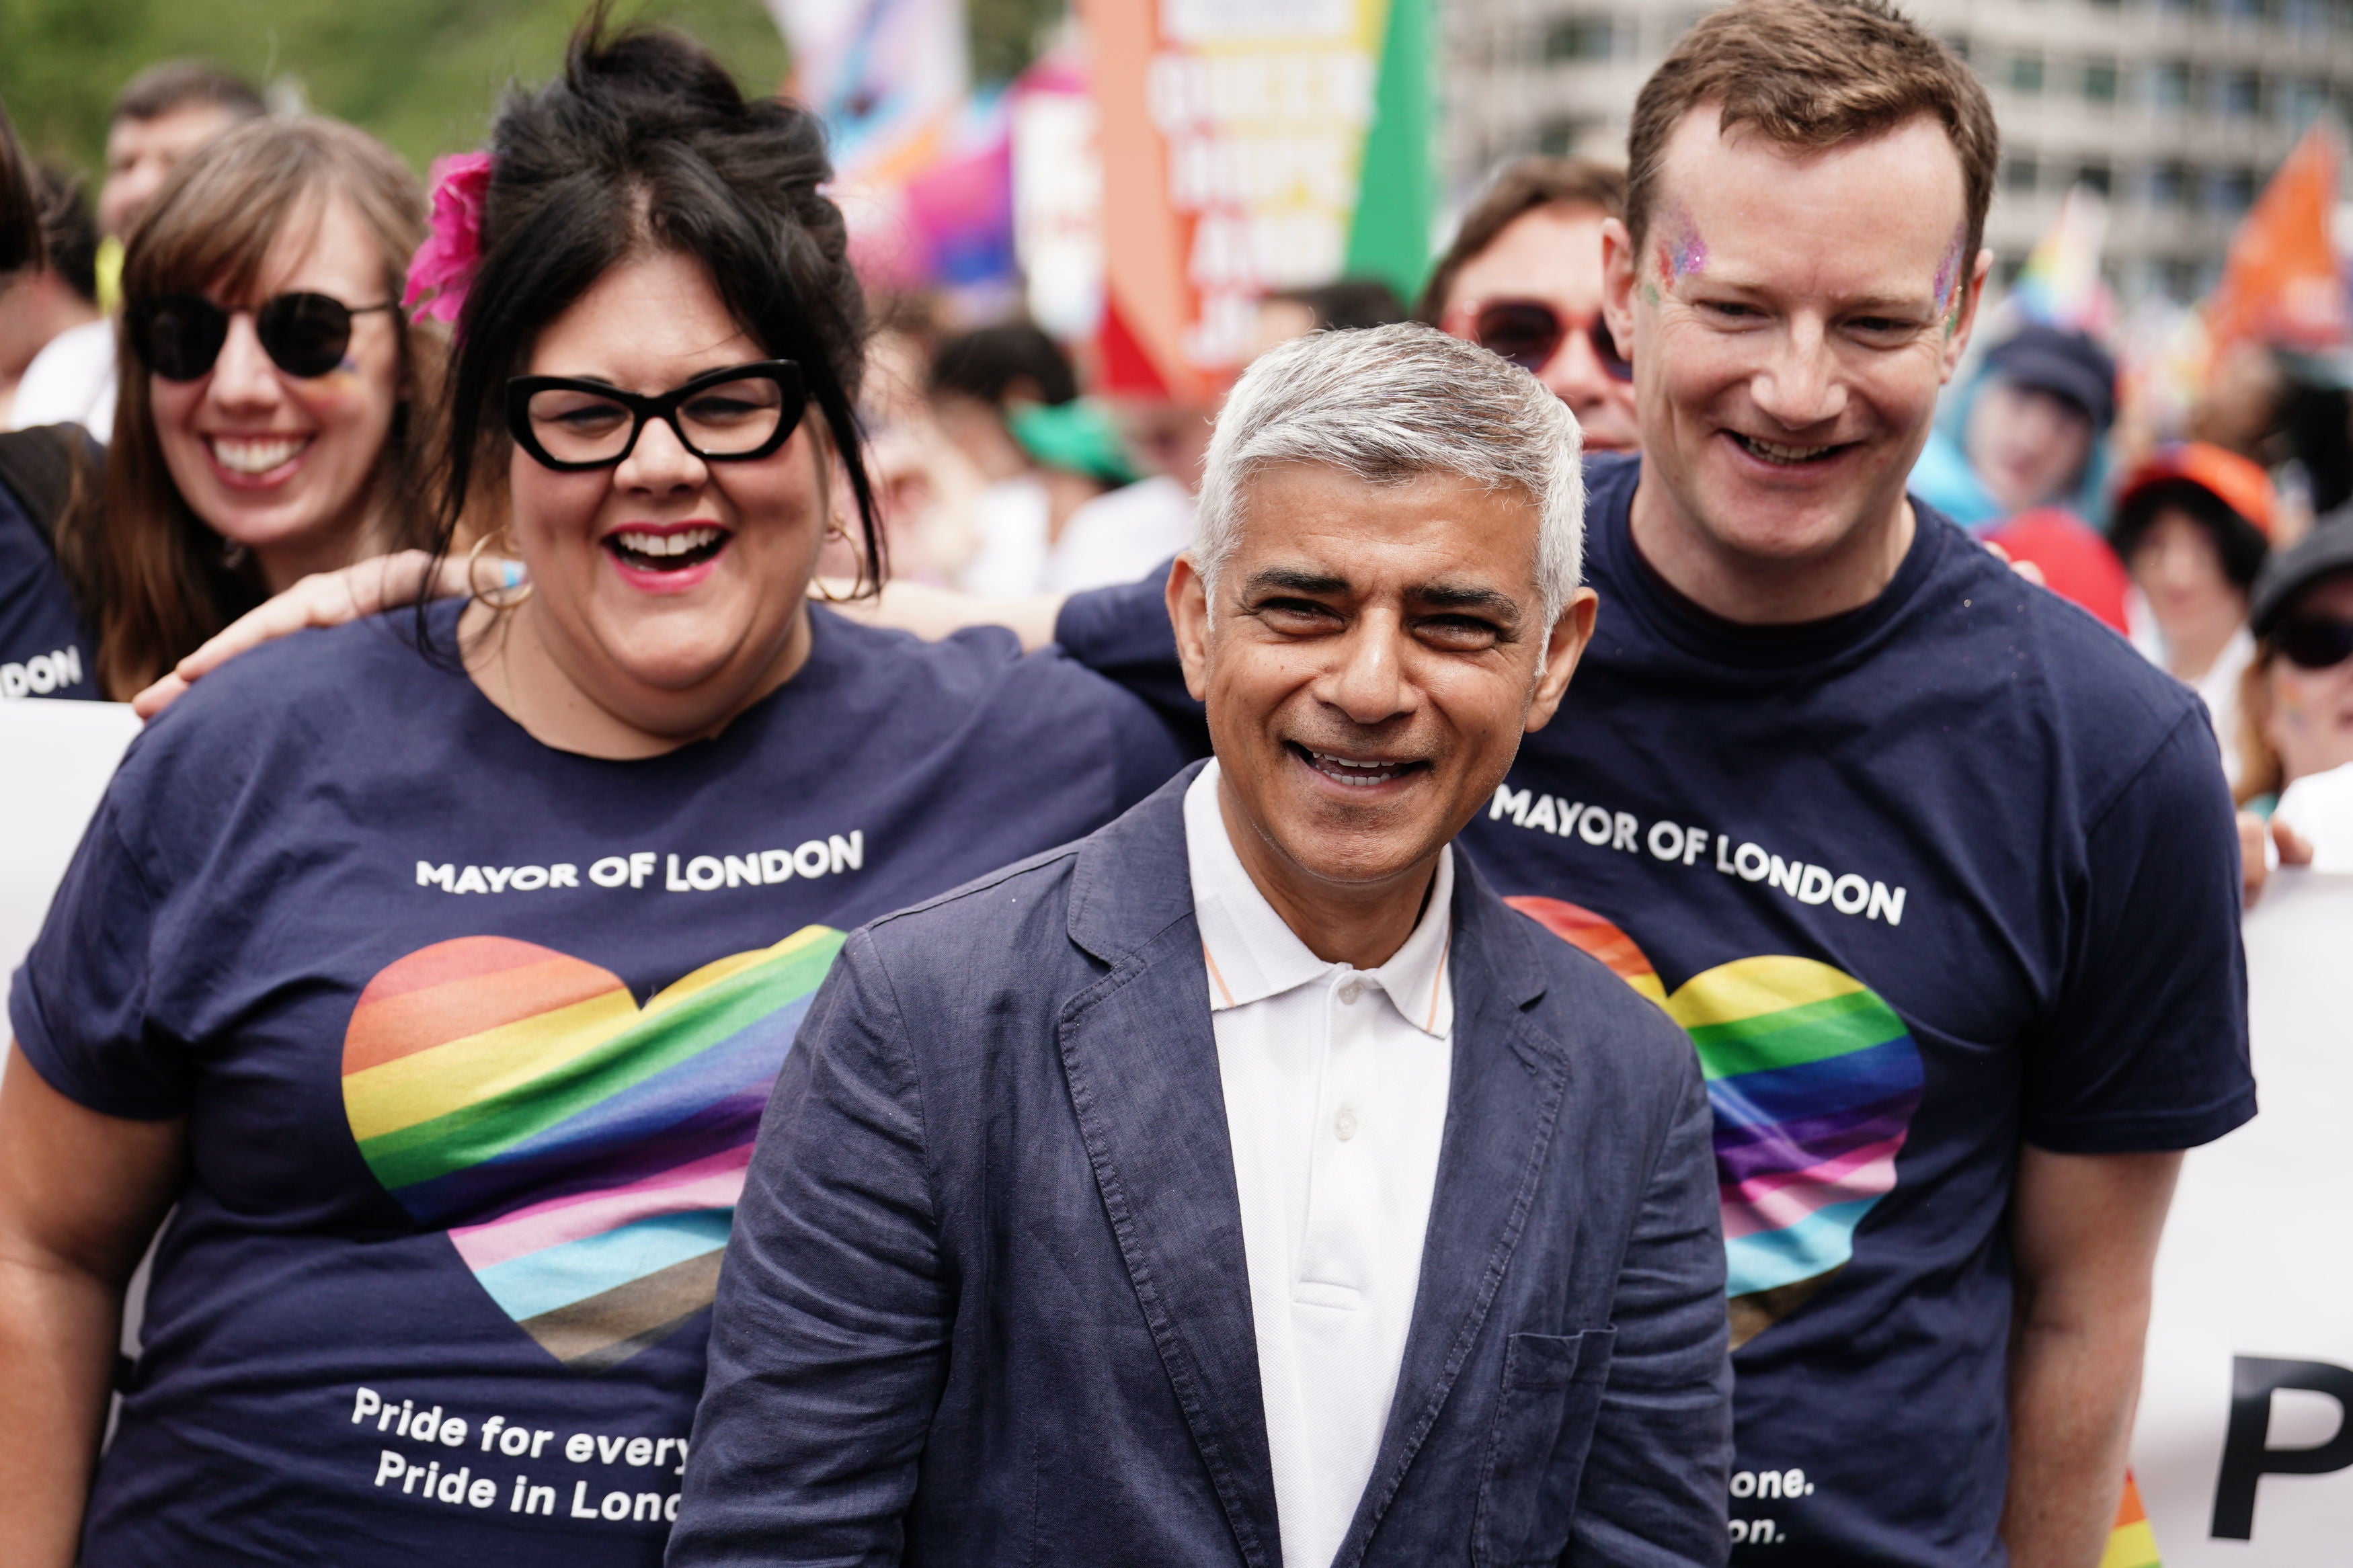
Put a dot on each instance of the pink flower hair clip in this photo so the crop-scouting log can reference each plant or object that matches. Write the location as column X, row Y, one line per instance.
column 443, row 268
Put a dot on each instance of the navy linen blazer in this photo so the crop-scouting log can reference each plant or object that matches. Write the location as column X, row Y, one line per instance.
column 985, row 1301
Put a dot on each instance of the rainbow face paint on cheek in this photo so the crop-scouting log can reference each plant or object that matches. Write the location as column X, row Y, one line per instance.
column 1691, row 254
column 1681, row 251
column 340, row 386
column 1949, row 275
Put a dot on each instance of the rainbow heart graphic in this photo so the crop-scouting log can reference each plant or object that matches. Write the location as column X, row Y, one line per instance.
column 1813, row 1079
column 585, row 1154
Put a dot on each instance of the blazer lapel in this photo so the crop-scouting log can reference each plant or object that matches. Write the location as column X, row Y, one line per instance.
column 1141, row 1059
column 1504, row 1104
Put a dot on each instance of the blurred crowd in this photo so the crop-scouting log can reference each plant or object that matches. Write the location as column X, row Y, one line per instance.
column 2219, row 549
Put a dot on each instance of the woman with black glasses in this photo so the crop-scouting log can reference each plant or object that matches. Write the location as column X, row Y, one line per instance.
column 274, row 395
column 442, row 994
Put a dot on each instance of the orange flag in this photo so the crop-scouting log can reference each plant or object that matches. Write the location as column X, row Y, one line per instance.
column 2281, row 284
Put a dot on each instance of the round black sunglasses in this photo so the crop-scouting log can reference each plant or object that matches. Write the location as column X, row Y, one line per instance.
column 732, row 414
column 2315, row 642
column 1528, row 333
column 179, row 336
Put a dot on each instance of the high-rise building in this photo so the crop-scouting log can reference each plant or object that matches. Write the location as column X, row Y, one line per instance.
column 2177, row 109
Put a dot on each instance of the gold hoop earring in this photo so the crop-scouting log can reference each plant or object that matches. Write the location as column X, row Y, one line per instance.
column 511, row 577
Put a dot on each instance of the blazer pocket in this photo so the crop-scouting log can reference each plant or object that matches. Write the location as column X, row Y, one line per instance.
column 1535, row 1454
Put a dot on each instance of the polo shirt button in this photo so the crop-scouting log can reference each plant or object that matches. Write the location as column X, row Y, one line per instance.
column 1345, row 1124
column 1350, row 991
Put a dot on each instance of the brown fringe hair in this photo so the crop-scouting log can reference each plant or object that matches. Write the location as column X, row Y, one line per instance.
column 1518, row 188
column 154, row 577
column 1811, row 75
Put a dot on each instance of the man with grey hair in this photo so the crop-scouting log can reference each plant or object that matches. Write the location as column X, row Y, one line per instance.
column 1246, row 1182
column 1360, row 403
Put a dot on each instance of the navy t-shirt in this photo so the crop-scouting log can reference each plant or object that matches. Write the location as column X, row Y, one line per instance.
column 1951, row 871
column 46, row 646
column 473, row 1037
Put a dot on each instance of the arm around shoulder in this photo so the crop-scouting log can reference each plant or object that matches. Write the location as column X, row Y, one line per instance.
column 1654, row 1492
column 830, row 1337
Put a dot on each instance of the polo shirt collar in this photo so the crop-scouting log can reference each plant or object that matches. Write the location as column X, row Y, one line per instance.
column 1253, row 955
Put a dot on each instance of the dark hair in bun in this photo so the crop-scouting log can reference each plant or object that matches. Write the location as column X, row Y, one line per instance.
column 645, row 143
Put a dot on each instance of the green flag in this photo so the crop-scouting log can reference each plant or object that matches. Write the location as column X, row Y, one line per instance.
column 1389, row 238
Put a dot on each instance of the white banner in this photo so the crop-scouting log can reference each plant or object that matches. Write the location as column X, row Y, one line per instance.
column 2244, row 1444
column 55, row 760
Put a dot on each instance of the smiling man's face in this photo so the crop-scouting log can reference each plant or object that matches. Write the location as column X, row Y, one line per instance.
column 1372, row 656
column 1792, row 317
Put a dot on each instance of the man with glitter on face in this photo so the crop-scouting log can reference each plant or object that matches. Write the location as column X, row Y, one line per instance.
column 1944, row 885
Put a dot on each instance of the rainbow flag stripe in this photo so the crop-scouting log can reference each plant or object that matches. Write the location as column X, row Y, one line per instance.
column 1581, row 928
column 1813, row 1081
column 585, row 1154
column 2132, row 1544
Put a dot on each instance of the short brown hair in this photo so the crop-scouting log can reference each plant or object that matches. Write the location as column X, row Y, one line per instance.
column 153, row 576
column 175, row 85
column 1520, row 187
column 1812, row 75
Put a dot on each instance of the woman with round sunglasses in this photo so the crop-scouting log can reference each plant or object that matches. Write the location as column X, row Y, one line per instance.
column 440, row 988
column 1524, row 278
column 274, row 395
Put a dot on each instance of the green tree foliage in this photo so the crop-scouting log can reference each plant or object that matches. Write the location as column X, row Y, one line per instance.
column 1004, row 34
column 424, row 75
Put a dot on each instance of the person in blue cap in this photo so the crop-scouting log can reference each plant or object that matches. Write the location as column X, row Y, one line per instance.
column 2028, row 431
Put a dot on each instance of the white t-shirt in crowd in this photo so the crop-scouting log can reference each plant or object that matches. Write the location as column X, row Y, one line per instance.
column 2218, row 689
column 70, row 382
column 1115, row 538
column 1336, row 1085
column 1119, row 536
column 1010, row 560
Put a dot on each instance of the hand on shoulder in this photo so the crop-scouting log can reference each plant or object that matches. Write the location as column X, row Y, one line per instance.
column 322, row 599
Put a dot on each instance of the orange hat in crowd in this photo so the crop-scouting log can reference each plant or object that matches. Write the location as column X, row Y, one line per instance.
column 2235, row 481
column 2229, row 496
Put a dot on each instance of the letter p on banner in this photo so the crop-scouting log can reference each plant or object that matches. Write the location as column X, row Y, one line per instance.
column 2247, row 1456
column 2240, row 1444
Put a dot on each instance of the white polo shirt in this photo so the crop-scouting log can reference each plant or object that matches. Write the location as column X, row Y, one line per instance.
column 1336, row 1082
